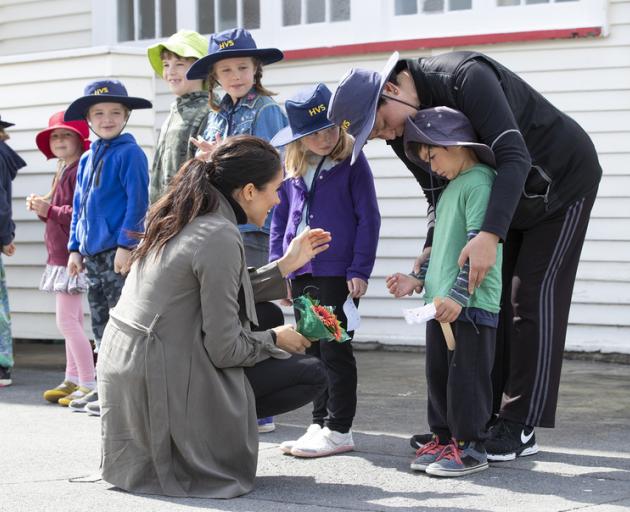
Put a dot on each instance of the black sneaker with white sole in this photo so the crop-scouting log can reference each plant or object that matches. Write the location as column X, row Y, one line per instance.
column 509, row 440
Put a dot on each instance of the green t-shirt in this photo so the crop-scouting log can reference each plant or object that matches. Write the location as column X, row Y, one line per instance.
column 462, row 208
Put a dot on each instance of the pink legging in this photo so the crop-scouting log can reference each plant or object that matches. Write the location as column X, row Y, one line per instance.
column 79, row 359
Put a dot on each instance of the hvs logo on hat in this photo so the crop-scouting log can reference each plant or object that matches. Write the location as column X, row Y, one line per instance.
column 345, row 124
column 226, row 44
column 316, row 110
column 101, row 90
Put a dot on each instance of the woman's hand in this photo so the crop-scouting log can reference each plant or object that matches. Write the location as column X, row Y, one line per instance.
column 482, row 253
column 38, row 204
column 205, row 148
column 75, row 264
column 357, row 287
column 8, row 250
column 303, row 248
column 122, row 261
column 287, row 338
column 447, row 310
column 400, row 285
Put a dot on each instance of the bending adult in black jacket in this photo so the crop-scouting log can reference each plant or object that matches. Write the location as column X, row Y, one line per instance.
column 547, row 179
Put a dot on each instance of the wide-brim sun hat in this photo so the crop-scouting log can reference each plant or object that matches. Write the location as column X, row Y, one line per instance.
column 306, row 111
column 56, row 121
column 103, row 91
column 185, row 43
column 354, row 103
column 231, row 44
column 443, row 127
column 5, row 124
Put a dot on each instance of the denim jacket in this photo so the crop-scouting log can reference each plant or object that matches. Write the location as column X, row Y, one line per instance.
column 253, row 114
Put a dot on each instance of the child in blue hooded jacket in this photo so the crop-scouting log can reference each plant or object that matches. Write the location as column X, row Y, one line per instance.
column 110, row 202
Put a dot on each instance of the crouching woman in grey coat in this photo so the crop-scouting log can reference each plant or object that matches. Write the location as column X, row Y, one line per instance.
column 178, row 405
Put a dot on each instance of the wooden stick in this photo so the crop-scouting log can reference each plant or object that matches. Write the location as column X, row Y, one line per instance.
column 449, row 337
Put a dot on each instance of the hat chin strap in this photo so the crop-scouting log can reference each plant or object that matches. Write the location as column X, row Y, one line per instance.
column 400, row 101
column 121, row 130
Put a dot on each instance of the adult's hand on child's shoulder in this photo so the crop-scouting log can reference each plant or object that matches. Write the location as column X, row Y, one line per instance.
column 75, row 264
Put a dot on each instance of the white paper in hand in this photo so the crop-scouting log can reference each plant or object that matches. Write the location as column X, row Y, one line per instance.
column 352, row 314
column 420, row 315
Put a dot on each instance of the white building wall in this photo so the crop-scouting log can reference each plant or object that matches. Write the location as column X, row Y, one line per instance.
column 42, row 25
column 587, row 78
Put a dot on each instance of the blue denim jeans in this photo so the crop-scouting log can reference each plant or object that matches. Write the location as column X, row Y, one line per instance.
column 6, row 340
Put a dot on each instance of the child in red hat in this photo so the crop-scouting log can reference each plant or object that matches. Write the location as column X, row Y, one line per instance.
column 66, row 141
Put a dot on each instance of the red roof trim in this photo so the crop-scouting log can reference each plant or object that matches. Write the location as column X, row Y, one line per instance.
column 440, row 42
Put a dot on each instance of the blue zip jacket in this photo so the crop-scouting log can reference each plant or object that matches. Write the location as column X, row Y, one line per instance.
column 111, row 196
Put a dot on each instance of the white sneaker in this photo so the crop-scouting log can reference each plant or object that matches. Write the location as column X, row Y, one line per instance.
column 287, row 446
column 325, row 442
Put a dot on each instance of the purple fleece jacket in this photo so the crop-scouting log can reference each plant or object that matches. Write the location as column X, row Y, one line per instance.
column 344, row 203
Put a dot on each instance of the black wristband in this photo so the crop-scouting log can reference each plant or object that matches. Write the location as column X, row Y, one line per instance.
column 274, row 336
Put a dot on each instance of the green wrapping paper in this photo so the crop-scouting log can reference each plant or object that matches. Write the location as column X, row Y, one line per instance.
column 317, row 322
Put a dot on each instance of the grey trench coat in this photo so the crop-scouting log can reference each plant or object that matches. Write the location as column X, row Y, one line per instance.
column 178, row 413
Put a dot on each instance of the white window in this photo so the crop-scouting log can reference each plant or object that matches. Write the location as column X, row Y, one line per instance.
column 218, row 15
column 146, row 19
column 406, row 7
column 300, row 12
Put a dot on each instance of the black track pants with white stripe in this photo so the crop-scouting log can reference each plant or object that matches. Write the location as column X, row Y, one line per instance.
column 539, row 268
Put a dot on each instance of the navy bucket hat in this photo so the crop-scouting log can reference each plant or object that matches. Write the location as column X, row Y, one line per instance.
column 307, row 114
column 230, row 44
column 103, row 91
column 445, row 127
column 354, row 103
column 5, row 124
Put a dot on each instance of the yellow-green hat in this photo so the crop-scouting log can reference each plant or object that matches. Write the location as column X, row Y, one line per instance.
column 185, row 43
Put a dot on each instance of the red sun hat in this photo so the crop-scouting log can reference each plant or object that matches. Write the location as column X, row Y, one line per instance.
column 55, row 122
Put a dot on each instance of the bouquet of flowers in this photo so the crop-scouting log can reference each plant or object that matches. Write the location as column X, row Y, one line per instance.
column 317, row 322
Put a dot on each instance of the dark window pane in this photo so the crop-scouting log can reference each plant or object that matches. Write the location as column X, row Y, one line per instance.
column 403, row 7
column 459, row 5
column 503, row 3
column 291, row 12
column 125, row 20
column 227, row 14
column 433, row 6
column 315, row 11
column 147, row 19
column 205, row 10
column 169, row 18
column 251, row 14
column 340, row 10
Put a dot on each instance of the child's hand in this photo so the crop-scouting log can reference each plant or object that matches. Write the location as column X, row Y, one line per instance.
column 8, row 250
column 122, row 261
column 205, row 148
column 357, row 287
column 288, row 301
column 38, row 204
column 400, row 285
column 75, row 264
column 447, row 310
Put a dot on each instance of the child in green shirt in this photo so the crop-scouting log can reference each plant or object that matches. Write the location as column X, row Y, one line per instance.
column 459, row 382
column 187, row 117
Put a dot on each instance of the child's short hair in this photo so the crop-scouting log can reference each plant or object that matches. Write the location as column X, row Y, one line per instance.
column 296, row 155
column 213, row 100
column 165, row 54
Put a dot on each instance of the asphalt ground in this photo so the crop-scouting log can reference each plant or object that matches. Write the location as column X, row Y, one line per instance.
column 584, row 463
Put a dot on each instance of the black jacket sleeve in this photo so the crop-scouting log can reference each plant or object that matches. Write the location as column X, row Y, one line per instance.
column 481, row 97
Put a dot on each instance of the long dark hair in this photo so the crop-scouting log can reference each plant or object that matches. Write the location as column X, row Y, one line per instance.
column 192, row 192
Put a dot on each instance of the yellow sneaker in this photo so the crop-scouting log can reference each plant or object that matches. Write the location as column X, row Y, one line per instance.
column 61, row 391
column 80, row 392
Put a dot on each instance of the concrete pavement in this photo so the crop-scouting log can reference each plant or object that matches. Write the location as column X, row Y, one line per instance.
column 584, row 463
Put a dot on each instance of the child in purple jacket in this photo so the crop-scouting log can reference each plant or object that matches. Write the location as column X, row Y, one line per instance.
column 66, row 141
column 324, row 190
